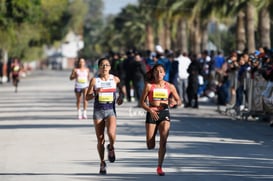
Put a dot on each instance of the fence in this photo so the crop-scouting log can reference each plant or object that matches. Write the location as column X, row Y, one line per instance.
column 257, row 100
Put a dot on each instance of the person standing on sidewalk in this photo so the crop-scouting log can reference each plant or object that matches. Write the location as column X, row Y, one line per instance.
column 81, row 74
column 157, row 93
column 102, row 88
column 183, row 64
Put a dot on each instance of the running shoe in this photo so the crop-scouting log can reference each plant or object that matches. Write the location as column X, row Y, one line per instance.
column 111, row 154
column 84, row 115
column 79, row 114
column 103, row 168
column 160, row 171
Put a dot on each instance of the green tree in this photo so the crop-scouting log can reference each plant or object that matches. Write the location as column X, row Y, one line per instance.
column 93, row 27
column 18, row 20
column 54, row 20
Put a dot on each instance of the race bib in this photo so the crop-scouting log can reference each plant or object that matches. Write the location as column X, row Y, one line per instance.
column 160, row 94
column 16, row 68
column 82, row 80
column 106, row 97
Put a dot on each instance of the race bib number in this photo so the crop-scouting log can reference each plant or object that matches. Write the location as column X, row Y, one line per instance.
column 82, row 80
column 160, row 94
column 106, row 97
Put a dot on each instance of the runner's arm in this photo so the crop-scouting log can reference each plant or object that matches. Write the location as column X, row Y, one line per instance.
column 90, row 94
column 175, row 95
column 120, row 91
column 73, row 74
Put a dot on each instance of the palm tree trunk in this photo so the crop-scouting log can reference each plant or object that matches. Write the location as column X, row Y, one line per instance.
column 204, row 33
column 264, row 28
column 250, row 12
column 240, row 32
column 149, row 37
column 161, row 34
column 196, row 37
column 184, row 38
column 167, row 32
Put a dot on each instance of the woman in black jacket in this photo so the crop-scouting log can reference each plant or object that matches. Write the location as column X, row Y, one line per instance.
column 194, row 70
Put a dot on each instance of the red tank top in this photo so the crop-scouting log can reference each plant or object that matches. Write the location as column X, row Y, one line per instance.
column 159, row 93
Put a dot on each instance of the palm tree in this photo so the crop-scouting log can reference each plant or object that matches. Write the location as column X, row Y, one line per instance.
column 199, row 21
column 264, row 23
column 240, row 31
column 179, row 17
column 264, row 28
column 181, row 35
column 148, row 12
column 245, row 34
column 250, row 26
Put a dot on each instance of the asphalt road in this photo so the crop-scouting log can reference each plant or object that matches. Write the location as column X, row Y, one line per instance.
column 41, row 140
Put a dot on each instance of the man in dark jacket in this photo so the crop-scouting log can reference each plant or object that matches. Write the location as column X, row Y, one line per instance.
column 138, row 71
column 128, row 67
column 173, row 71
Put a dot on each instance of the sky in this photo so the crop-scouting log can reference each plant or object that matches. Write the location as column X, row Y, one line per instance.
column 115, row 6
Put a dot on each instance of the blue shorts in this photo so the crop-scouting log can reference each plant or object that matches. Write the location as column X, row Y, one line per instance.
column 100, row 114
column 79, row 90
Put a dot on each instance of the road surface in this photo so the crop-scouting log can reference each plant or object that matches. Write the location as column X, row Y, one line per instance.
column 41, row 140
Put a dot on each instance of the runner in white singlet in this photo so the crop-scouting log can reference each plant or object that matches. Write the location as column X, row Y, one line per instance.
column 81, row 74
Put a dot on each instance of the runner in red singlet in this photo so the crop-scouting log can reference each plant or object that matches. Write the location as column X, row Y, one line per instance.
column 157, row 93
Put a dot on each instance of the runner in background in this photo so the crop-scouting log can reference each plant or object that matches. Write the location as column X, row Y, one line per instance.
column 15, row 72
column 81, row 74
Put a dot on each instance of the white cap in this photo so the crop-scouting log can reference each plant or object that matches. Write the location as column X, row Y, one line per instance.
column 159, row 49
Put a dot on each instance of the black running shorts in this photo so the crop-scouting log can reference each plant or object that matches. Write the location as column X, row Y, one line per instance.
column 164, row 115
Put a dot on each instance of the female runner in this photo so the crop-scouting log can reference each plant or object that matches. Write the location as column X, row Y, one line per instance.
column 155, row 100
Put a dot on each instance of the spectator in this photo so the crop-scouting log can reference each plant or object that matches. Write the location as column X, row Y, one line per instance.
column 174, row 71
column 163, row 61
column 183, row 65
column 193, row 70
column 139, row 70
column 219, row 60
column 128, row 67
column 244, row 67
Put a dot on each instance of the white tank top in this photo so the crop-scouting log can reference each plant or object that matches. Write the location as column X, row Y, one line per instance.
column 82, row 79
column 108, row 89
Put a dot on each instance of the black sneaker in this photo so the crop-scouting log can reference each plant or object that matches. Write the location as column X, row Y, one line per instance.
column 111, row 154
column 103, row 168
